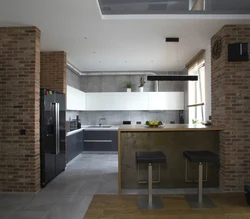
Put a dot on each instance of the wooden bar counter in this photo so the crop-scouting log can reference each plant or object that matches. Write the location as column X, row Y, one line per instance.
column 172, row 140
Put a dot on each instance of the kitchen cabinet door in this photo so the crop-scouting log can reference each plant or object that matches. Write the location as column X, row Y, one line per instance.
column 79, row 142
column 114, row 136
column 71, row 147
column 75, row 99
column 98, row 146
column 75, row 144
column 100, row 140
column 166, row 101
column 117, row 101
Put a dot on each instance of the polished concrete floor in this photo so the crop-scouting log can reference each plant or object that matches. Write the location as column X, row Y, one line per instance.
column 69, row 195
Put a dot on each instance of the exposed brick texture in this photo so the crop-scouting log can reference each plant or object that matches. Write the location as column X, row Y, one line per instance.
column 231, row 109
column 19, row 109
column 53, row 71
column 53, row 74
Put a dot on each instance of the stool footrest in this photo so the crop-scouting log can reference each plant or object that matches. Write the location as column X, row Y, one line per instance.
column 146, row 181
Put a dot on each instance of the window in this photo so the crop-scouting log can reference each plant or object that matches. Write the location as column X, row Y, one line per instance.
column 196, row 89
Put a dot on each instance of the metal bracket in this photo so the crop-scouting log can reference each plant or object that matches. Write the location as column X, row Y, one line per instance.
column 146, row 181
column 186, row 174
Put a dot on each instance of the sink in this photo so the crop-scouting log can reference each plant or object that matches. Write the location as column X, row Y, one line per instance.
column 99, row 126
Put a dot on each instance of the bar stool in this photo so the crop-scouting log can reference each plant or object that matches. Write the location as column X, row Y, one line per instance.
column 149, row 157
column 200, row 157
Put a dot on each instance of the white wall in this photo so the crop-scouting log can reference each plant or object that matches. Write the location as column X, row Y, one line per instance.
column 208, row 82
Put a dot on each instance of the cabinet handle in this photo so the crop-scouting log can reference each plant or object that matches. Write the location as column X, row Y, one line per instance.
column 98, row 141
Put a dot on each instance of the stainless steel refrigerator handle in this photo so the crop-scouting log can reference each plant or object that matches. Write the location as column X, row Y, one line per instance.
column 57, row 129
column 55, row 123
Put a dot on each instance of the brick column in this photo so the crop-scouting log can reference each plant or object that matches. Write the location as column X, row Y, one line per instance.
column 231, row 109
column 19, row 109
column 53, row 71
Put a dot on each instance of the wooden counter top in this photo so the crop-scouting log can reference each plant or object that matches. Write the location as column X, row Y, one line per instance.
column 169, row 127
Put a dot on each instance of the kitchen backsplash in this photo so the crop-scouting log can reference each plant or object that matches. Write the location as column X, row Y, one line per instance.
column 117, row 117
column 71, row 115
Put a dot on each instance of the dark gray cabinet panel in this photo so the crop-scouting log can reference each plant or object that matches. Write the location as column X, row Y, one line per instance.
column 114, row 137
column 71, row 147
column 98, row 135
column 100, row 140
column 98, row 146
column 75, row 145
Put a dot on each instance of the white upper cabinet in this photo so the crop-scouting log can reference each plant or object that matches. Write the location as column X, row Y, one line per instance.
column 117, row 101
column 80, row 101
column 75, row 99
column 135, row 101
column 166, row 100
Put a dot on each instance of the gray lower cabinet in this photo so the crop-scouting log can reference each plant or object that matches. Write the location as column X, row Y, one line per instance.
column 100, row 140
column 75, row 144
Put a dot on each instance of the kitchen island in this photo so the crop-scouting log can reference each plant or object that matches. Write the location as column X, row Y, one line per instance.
column 172, row 140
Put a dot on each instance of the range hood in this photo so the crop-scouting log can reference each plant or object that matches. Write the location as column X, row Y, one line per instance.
column 172, row 78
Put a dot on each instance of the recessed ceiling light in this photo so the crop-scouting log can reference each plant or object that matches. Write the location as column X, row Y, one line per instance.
column 100, row 62
column 85, row 38
column 93, row 52
column 125, row 61
column 152, row 61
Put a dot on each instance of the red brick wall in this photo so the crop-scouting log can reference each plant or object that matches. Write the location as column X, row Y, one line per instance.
column 53, row 71
column 231, row 109
column 19, row 109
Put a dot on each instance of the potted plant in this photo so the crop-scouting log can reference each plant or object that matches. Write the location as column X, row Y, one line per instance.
column 142, row 82
column 129, row 86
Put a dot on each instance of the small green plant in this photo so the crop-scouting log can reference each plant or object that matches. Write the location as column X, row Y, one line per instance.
column 142, row 82
column 128, row 84
column 194, row 121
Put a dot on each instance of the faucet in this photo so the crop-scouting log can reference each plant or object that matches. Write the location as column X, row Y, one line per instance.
column 101, row 120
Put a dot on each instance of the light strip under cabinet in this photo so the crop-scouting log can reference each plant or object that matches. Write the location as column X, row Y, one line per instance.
column 98, row 141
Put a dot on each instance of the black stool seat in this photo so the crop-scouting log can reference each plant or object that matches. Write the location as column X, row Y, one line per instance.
column 201, row 156
column 150, row 157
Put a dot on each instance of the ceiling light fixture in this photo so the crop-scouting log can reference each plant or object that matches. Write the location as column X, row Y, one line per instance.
column 85, row 38
column 172, row 39
column 175, row 40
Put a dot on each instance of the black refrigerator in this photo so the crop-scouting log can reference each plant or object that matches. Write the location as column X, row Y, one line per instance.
column 52, row 134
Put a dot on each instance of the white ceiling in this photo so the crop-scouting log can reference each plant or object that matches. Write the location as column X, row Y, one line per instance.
column 114, row 43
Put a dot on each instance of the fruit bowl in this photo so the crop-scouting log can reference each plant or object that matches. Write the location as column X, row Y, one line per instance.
column 153, row 123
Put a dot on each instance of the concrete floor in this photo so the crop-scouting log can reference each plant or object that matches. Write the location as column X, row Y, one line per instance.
column 69, row 195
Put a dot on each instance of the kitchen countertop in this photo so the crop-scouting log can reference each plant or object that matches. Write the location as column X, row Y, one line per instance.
column 112, row 128
column 144, row 128
column 74, row 131
column 169, row 127
column 85, row 127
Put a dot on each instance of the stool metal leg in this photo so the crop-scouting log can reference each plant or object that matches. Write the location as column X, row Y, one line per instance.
column 149, row 184
column 200, row 182
column 203, row 200
column 150, row 201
